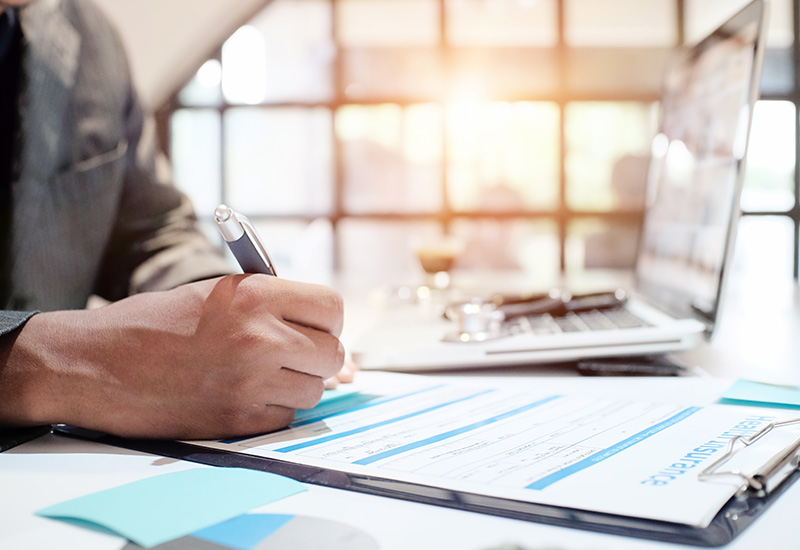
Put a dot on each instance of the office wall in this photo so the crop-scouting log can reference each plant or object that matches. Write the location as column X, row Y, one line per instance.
column 167, row 40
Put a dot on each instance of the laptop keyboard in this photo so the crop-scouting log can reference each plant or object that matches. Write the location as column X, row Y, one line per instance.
column 606, row 319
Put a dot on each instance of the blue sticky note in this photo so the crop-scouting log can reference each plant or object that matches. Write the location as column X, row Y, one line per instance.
column 243, row 532
column 333, row 396
column 332, row 401
column 164, row 507
column 758, row 393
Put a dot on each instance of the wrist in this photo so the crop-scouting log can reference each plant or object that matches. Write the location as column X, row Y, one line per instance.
column 17, row 406
column 34, row 369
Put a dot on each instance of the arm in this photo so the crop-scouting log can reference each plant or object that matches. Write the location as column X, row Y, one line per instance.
column 10, row 323
column 217, row 358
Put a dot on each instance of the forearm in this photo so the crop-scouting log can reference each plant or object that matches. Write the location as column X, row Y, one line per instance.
column 219, row 358
column 43, row 365
column 59, row 368
column 20, row 373
column 16, row 425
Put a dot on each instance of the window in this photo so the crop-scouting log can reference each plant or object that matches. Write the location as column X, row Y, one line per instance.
column 348, row 129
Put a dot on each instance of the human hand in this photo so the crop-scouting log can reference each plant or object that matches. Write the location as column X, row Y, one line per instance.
column 217, row 358
column 344, row 376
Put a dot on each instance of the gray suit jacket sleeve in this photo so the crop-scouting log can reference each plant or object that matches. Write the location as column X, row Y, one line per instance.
column 12, row 320
column 94, row 211
column 154, row 243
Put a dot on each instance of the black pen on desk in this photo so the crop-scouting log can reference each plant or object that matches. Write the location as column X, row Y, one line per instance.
column 242, row 238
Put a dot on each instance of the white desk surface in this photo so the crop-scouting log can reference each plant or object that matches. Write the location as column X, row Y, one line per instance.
column 56, row 468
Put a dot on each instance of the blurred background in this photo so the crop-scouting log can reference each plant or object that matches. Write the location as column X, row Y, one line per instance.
column 350, row 129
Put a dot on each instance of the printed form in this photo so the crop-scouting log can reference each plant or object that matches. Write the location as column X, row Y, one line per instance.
column 633, row 458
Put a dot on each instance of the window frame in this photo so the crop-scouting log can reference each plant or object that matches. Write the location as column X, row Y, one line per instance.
column 562, row 215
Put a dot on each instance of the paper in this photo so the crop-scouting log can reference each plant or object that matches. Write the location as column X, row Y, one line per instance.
column 758, row 393
column 272, row 531
column 332, row 396
column 625, row 457
column 245, row 531
column 278, row 531
column 164, row 507
column 332, row 403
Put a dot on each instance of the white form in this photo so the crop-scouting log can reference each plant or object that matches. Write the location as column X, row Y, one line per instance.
column 627, row 457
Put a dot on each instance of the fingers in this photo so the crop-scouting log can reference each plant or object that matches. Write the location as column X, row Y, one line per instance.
column 268, row 418
column 344, row 376
column 349, row 371
column 276, row 322
column 310, row 305
column 278, row 342
column 309, row 351
column 322, row 309
column 291, row 389
column 273, row 417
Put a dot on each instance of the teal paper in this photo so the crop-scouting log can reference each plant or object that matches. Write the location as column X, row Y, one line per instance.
column 333, row 403
column 164, row 507
column 243, row 532
column 757, row 393
column 333, row 396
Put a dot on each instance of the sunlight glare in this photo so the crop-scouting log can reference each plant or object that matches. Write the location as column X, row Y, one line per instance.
column 210, row 74
column 244, row 55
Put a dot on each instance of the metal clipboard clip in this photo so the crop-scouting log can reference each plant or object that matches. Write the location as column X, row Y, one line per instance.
column 768, row 476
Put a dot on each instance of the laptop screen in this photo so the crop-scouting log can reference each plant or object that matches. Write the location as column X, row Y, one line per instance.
column 697, row 166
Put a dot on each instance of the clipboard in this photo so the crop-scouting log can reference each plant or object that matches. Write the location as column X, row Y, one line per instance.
column 758, row 491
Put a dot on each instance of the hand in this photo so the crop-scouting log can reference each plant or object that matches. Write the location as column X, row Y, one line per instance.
column 344, row 376
column 217, row 358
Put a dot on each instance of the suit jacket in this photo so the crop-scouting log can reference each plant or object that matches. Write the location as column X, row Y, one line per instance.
column 93, row 208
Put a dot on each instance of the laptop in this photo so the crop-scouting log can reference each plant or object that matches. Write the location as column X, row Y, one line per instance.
column 691, row 212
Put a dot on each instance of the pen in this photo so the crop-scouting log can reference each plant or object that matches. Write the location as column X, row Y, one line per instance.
column 242, row 239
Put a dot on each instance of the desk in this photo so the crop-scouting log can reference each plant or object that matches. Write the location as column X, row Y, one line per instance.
column 758, row 336
column 55, row 468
